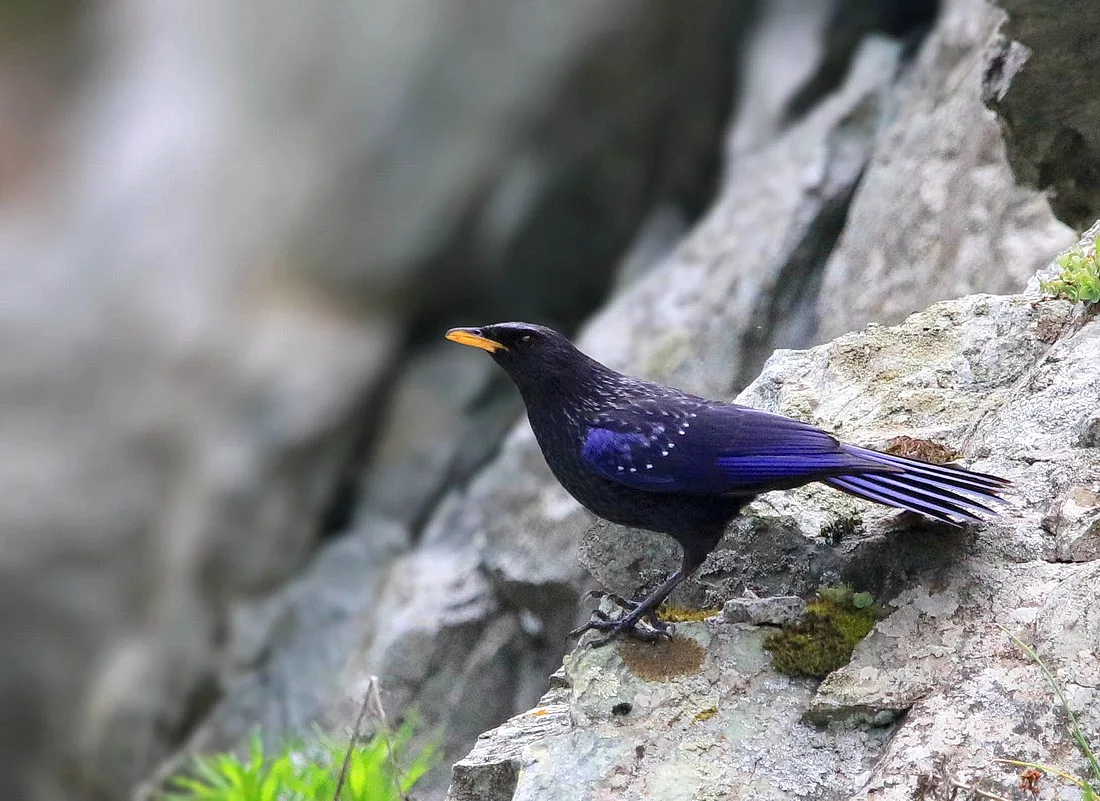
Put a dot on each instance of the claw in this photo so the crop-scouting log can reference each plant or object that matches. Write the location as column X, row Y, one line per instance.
column 592, row 625
column 618, row 600
column 622, row 602
column 625, row 625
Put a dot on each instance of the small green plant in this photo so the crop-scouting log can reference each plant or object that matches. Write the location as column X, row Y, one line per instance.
column 376, row 770
column 1090, row 788
column 1080, row 276
column 835, row 621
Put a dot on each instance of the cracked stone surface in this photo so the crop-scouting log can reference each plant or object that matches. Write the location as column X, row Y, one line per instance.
column 773, row 611
column 743, row 282
column 939, row 213
column 938, row 690
column 693, row 718
column 1042, row 90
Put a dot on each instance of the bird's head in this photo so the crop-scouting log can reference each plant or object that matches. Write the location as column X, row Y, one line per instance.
column 525, row 351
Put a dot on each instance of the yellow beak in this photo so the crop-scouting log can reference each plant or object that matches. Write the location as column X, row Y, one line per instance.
column 470, row 336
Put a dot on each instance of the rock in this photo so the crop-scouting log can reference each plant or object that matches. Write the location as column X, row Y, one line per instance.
column 429, row 439
column 514, row 531
column 774, row 611
column 1038, row 81
column 708, row 347
column 494, row 771
column 969, row 692
column 470, row 624
column 700, row 717
column 937, row 689
column 293, row 644
column 742, row 282
column 466, row 626
column 215, row 246
column 737, row 276
column 780, row 58
column 938, row 213
column 560, row 133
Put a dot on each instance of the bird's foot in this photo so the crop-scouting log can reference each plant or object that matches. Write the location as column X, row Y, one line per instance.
column 637, row 622
column 626, row 605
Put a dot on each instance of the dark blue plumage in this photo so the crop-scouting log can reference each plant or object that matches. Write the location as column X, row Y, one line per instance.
column 649, row 456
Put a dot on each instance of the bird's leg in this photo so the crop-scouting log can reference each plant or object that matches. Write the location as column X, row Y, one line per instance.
column 637, row 611
column 625, row 604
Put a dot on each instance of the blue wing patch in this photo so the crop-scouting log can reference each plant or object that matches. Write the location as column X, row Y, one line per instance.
column 713, row 449
column 624, row 456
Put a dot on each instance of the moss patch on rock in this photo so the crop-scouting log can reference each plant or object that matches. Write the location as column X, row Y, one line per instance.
column 824, row 638
column 664, row 659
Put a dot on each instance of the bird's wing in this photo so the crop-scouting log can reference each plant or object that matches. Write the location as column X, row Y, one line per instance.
column 693, row 446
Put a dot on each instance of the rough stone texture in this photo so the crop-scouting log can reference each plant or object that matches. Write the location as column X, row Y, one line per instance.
column 741, row 283
column 211, row 259
column 938, row 213
column 937, row 691
column 501, row 553
column 213, row 281
column 774, row 611
column 1039, row 80
column 702, row 717
column 732, row 277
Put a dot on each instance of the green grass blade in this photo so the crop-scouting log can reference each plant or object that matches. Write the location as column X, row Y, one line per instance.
column 1074, row 726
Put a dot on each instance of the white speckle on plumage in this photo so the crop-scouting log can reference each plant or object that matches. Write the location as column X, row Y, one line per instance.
column 671, row 445
column 620, row 468
column 680, row 432
column 634, row 470
column 664, row 453
column 649, row 467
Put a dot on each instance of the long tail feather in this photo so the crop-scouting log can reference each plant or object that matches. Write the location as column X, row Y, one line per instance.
column 942, row 492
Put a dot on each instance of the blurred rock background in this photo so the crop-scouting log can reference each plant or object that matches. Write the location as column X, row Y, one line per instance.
column 241, row 472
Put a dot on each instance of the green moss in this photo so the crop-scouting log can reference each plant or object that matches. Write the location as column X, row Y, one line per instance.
column 823, row 640
column 1080, row 276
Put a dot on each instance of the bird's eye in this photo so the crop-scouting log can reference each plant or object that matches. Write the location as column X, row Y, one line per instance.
column 525, row 339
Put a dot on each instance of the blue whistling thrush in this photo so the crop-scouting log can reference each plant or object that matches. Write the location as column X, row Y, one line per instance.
column 648, row 456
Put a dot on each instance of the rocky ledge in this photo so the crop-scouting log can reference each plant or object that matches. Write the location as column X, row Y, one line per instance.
column 938, row 691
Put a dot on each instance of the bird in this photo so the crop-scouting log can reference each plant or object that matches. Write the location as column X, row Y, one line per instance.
column 648, row 456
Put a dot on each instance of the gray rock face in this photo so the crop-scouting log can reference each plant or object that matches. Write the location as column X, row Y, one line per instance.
column 937, row 692
column 938, row 213
column 700, row 718
column 512, row 536
column 211, row 285
column 774, row 611
column 745, row 280
column 208, row 273
column 1039, row 82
